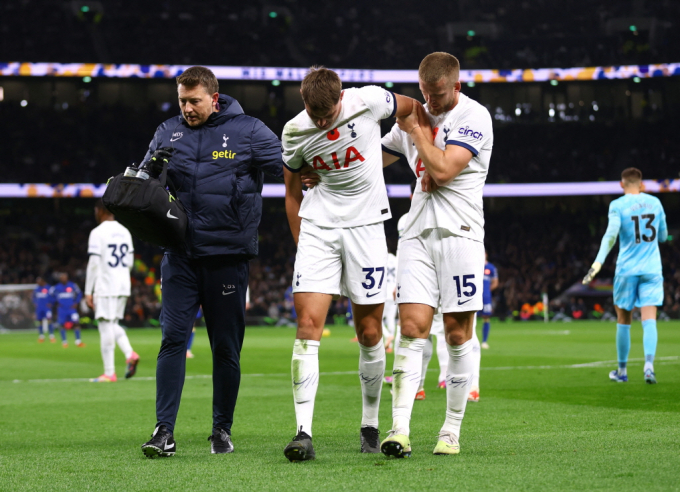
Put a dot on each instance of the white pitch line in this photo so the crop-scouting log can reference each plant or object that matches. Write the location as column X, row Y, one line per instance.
column 600, row 363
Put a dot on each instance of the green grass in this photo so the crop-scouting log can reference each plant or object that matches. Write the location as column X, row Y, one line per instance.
column 539, row 425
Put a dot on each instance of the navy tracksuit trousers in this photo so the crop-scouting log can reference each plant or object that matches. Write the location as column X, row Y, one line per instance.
column 218, row 283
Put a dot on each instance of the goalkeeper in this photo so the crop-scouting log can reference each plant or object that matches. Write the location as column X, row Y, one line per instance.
column 640, row 222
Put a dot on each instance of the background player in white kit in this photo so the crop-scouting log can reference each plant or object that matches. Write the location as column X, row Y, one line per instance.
column 107, row 289
column 441, row 254
column 340, row 235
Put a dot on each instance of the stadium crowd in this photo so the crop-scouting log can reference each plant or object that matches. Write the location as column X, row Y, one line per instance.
column 514, row 34
column 88, row 144
column 531, row 259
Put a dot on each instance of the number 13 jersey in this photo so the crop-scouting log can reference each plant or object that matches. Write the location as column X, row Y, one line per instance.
column 641, row 226
column 348, row 159
column 112, row 244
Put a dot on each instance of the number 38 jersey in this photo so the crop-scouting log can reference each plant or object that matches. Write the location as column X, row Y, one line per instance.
column 640, row 221
column 111, row 243
column 456, row 206
column 348, row 159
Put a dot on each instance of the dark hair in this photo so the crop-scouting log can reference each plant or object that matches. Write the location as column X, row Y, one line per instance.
column 194, row 76
column 631, row 175
column 321, row 88
column 439, row 65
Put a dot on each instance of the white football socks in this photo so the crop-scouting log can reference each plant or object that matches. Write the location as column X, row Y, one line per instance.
column 427, row 357
column 442, row 357
column 122, row 340
column 477, row 356
column 407, row 368
column 458, row 380
column 107, row 341
column 371, row 371
column 305, row 372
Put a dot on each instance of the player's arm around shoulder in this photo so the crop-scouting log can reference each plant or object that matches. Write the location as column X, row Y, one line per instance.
column 441, row 165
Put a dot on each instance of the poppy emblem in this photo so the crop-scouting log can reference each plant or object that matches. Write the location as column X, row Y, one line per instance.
column 487, row 272
column 334, row 134
column 68, row 289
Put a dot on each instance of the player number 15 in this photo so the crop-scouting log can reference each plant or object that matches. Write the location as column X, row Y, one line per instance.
column 466, row 284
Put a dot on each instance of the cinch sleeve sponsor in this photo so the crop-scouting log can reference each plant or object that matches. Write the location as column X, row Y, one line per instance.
column 381, row 102
column 291, row 151
column 471, row 132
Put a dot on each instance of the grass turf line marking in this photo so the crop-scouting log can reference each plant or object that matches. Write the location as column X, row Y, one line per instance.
column 601, row 363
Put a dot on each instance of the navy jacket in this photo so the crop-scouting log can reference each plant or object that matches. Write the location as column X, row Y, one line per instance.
column 218, row 171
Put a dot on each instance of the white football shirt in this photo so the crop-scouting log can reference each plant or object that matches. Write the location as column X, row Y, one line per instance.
column 348, row 159
column 456, row 206
column 111, row 242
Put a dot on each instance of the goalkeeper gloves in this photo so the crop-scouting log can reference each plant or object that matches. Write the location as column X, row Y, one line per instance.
column 594, row 270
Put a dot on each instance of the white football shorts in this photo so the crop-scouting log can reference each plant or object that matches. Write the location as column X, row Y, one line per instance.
column 109, row 307
column 347, row 261
column 438, row 267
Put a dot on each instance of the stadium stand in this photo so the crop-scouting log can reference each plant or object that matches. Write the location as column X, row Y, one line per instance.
column 518, row 34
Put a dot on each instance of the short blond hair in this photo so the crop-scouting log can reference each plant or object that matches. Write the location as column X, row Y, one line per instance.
column 631, row 175
column 439, row 65
column 321, row 88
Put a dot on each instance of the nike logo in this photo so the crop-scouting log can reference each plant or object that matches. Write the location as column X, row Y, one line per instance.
column 170, row 216
column 167, row 446
column 227, row 293
column 175, row 139
column 371, row 295
column 461, row 303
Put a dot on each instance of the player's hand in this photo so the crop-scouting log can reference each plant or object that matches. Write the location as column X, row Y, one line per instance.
column 594, row 270
column 89, row 301
column 427, row 184
column 158, row 158
column 308, row 177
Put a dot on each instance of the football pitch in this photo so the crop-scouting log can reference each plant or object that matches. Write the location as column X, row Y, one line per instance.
column 548, row 418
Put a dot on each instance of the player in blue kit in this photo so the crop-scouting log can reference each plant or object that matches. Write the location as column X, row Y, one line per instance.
column 43, row 309
column 639, row 220
column 67, row 295
column 490, row 284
